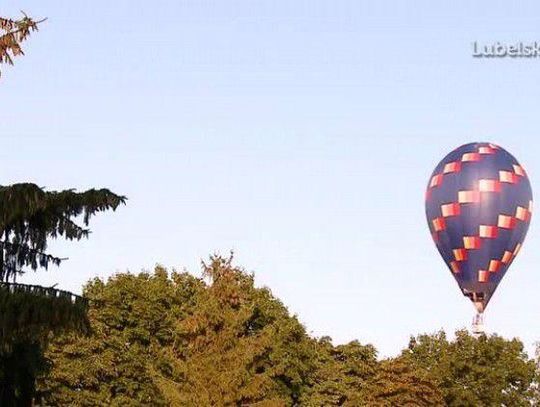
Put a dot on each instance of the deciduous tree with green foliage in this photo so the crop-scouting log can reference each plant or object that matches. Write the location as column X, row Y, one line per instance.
column 342, row 374
column 177, row 340
column 182, row 341
column 350, row 375
column 240, row 346
column 133, row 319
column 470, row 371
column 399, row 383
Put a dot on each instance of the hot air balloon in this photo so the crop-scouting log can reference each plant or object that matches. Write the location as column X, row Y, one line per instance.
column 478, row 207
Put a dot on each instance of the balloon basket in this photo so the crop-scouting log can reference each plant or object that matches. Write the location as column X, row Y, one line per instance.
column 478, row 324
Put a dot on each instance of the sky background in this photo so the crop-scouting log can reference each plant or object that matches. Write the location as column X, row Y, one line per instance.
column 299, row 134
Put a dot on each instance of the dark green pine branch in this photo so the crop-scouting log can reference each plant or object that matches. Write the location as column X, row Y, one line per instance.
column 30, row 215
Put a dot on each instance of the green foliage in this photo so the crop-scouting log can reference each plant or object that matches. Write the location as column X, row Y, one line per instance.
column 177, row 340
column 132, row 318
column 399, row 383
column 31, row 313
column 486, row 371
column 350, row 375
column 19, row 367
column 341, row 374
column 29, row 216
column 239, row 346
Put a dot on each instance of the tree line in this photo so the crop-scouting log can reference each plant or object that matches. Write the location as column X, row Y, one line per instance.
column 172, row 339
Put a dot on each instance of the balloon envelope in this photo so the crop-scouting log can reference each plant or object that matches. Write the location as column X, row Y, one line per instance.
column 478, row 207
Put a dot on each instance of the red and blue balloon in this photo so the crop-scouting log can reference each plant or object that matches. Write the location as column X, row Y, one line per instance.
column 479, row 206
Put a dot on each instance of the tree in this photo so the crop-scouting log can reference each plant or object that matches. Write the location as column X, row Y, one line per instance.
column 29, row 216
column 179, row 340
column 487, row 371
column 239, row 347
column 12, row 34
column 171, row 339
column 132, row 318
column 399, row 383
column 341, row 375
column 29, row 315
column 536, row 386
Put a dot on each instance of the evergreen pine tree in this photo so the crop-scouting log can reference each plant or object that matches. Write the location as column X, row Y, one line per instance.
column 29, row 217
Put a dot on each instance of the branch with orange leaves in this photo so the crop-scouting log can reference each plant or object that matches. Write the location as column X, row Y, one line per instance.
column 12, row 34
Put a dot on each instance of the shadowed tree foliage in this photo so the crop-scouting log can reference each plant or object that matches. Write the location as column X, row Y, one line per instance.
column 32, row 312
column 484, row 371
column 30, row 315
column 12, row 34
column 29, row 216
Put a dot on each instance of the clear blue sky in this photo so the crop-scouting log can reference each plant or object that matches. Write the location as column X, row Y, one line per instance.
column 299, row 134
